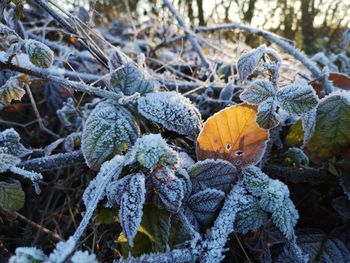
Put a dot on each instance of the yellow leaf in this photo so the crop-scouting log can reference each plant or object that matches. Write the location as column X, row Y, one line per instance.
column 233, row 135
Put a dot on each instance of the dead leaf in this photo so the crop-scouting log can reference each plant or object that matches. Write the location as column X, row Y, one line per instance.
column 233, row 135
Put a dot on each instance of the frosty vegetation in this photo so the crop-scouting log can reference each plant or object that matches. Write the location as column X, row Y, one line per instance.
column 133, row 132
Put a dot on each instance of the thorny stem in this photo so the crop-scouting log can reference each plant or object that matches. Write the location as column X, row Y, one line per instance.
column 283, row 43
column 189, row 34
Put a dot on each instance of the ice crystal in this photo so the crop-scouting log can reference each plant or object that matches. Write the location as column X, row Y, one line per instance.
column 84, row 257
column 28, row 255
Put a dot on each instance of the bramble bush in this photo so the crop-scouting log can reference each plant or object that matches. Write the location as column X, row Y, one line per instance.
column 194, row 156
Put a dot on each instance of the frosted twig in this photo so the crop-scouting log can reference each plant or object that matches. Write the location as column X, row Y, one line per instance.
column 56, row 161
column 33, row 176
column 189, row 34
column 283, row 43
column 34, row 71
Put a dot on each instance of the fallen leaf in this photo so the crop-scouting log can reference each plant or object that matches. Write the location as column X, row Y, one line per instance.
column 233, row 135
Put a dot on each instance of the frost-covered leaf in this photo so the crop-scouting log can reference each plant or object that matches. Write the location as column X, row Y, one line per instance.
column 226, row 93
column 274, row 198
column 186, row 182
column 168, row 189
column 7, row 161
column 152, row 235
column 172, row 110
column 267, row 117
column 298, row 157
column 205, row 204
column 151, row 151
column 39, row 54
column 128, row 78
column 28, row 255
column 297, row 98
column 11, row 196
column 319, row 247
column 332, row 132
column 102, row 178
column 84, row 257
column 115, row 190
column 250, row 216
column 248, row 62
column 108, row 131
column 258, row 91
column 218, row 174
column 11, row 90
column 285, row 218
column 308, row 121
column 131, row 204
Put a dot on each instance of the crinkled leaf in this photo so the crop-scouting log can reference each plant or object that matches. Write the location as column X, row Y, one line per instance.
column 172, row 110
column 151, row 151
column 103, row 178
column 131, row 205
column 7, row 160
column 297, row 98
column 186, row 182
column 128, row 78
column 39, row 54
column 152, row 235
column 308, row 121
column 285, row 218
column 168, row 189
column 205, row 204
column 218, row 174
column 251, row 216
column 319, row 247
column 116, row 189
column 298, row 157
column 11, row 90
column 332, row 132
column 267, row 117
column 11, row 196
column 226, row 93
column 108, row 131
column 258, row 91
column 248, row 62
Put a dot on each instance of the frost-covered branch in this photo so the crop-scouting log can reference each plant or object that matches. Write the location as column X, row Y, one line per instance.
column 189, row 34
column 283, row 43
column 73, row 85
column 56, row 161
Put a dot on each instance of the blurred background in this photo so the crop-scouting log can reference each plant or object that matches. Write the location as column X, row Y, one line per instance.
column 313, row 24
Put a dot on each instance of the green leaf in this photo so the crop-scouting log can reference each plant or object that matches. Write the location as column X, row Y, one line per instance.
column 295, row 135
column 172, row 110
column 11, row 196
column 297, row 98
column 332, row 132
column 107, row 216
column 152, row 235
column 108, row 131
column 267, row 117
column 11, row 90
column 258, row 91
column 129, row 78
